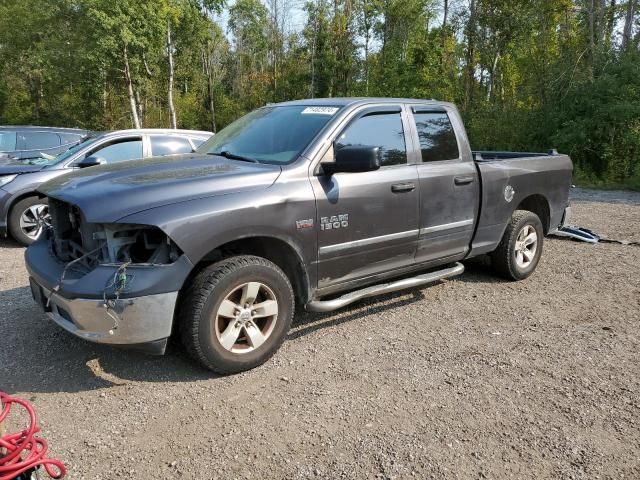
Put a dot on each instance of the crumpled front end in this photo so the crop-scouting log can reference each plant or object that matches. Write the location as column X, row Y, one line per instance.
column 107, row 283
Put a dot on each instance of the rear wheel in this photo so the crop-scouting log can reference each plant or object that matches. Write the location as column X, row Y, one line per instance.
column 519, row 251
column 236, row 313
column 28, row 219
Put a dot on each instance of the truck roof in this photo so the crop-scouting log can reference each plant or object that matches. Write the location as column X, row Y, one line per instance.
column 350, row 101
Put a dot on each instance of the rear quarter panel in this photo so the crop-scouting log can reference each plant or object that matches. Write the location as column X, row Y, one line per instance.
column 547, row 175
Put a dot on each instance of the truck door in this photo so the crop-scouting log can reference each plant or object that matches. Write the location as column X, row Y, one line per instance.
column 449, row 184
column 367, row 222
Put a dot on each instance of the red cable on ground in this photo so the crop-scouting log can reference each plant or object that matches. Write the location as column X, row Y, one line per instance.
column 24, row 451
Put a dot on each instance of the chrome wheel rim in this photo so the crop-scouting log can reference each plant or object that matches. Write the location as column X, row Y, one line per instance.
column 34, row 220
column 526, row 246
column 246, row 317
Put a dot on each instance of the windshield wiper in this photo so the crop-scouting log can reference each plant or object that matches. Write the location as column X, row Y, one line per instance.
column 233, row 156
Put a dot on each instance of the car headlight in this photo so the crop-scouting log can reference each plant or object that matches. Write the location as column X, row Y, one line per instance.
column 4, row 179
column 136, row 244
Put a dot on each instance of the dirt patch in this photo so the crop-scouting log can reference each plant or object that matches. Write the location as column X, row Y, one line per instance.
column 470, row 378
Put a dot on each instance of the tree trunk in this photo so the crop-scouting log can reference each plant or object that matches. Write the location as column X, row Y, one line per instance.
column 132, row 99
column 103, row 73
column 146, row 65
column 470, row 53
column 212, row 107
column 274, row 42
column 601, row 13
column 492, row 76
column 592, row 27
column 172, row 108
column 366, row 64
column 312, row 87
column 207, row 67
column 628, row 23
column 366, row 18
column 445, row 16
column 141, row 106
column 611, row 18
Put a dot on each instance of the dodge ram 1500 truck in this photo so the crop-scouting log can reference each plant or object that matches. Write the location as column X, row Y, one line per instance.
column 314, row 202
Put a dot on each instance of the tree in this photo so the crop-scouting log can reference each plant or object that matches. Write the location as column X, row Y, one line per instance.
column 527, row 74
column 628, row 23
column 317, row 34
column 125, row 30
column 249, row 25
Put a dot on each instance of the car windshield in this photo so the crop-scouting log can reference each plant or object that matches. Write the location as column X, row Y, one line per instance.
column 47, row 160
column 273, row 134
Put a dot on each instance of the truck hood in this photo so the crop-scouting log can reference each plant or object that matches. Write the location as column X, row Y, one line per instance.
column 110, row 192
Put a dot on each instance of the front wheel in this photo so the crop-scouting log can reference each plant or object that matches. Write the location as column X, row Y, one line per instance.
column 236, row 313
column 28, row 219
column 519, row 251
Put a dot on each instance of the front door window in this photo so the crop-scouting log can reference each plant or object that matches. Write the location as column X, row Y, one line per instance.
column 382, row 130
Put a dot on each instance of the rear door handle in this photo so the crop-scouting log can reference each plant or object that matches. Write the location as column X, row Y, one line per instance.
column 463, row 180
column 403, row 187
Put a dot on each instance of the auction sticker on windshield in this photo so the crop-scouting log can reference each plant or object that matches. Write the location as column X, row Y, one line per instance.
column 320, row 110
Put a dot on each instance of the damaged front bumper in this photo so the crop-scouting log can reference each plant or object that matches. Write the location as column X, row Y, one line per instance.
column 142, row 316
column 142, row 322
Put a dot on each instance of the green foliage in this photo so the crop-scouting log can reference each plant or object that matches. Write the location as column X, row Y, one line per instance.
column 527, row 75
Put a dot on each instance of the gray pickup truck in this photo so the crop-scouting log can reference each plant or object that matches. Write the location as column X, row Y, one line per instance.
column 317, row 203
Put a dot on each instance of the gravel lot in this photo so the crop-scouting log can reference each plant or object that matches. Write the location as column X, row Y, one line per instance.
column 470, row 378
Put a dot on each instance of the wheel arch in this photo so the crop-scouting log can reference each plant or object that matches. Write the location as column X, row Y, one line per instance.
column 18, row 198
column 277, row 250
column 539, row 205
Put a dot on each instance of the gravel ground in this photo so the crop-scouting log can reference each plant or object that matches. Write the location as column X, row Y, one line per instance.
column 470, row 378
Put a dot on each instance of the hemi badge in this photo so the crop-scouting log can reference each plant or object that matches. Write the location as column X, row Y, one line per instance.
column 308, row 223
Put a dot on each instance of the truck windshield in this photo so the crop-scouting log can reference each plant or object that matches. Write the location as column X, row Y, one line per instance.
column 274, row 135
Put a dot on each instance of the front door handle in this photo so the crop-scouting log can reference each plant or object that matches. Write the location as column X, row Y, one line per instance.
column 403, row 187
column 463, row 180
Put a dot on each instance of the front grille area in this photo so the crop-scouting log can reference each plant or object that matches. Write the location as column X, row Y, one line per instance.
column 85, row 245
column 72, row 237
column 60, row 221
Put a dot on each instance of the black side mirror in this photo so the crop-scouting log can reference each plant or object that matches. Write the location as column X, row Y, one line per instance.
column 353, row 159
column 91, row 162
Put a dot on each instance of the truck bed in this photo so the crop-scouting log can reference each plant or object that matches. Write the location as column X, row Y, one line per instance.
column 486, row 155
column 512, row 180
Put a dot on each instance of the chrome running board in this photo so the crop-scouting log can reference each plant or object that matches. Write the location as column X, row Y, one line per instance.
column 344, row 300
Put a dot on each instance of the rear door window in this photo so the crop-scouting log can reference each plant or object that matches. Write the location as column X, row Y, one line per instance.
column 38, row 140
column 119, row 151
column 68, row 138
column 7, row 141
column 382, row 130
column 437, row 137
column 169, row 145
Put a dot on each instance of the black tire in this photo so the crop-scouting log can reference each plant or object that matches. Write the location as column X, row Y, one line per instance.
column 14, row 218
column 504, row 258
column 201, row 301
